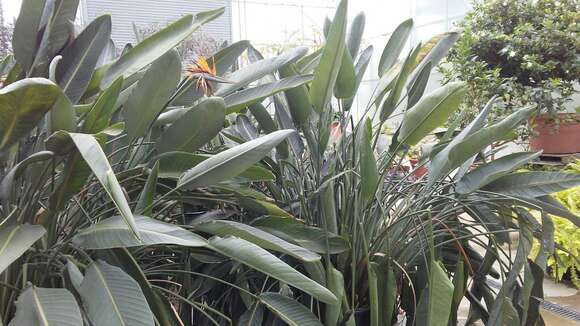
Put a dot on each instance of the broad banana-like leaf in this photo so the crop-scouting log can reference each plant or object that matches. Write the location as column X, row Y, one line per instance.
column 552, row 206
column 26, row 36
column 262, row 207
column 367, row 163
column 156, row 45
column 231, row 162
column 430, row 112
column 65, row 12
column 392, row 100
column 239, row 100
column 151, row 94
column 335, row 284
column 15, row 240
column 112, row 297
column 357, row 28
column 225, row 58
column 74, row 275
column 47, row 307
column 261, row 260
column 416, row 87
column 433, row 51
column 79, row 59
column 62, row 115
column 306, row 236
column 326, row 73
column 92, row 153
column 264, row 118
column 22, row 105
column 159, row 304
column 244, row 76
column 434, row 306
column 114, row 233
column 256, row 236
column 484, row 174
column 289, row 310
column 471, row 140
column 395, row 45
column 534, row 184
column 382, row 293
column 99, row 116
column 298, row 98
column 344, row 87
column 359, row 68
column 173, row 164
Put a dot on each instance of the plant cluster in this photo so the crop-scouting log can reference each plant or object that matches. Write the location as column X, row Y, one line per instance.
column 524, row 51
column 136, row 192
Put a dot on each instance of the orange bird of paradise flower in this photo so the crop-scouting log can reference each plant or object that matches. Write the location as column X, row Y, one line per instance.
column 204, row 74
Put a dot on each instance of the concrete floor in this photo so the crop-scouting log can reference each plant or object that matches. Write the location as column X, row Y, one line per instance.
column 563, row 295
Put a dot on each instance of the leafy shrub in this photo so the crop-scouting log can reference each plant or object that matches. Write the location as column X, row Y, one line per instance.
column 524, row 51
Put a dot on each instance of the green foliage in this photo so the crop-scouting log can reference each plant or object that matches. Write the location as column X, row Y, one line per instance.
column 131, row 194
column 524, row 51
column 566, row 235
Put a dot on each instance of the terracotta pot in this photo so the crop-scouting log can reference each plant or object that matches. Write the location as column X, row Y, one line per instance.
column 564, row 139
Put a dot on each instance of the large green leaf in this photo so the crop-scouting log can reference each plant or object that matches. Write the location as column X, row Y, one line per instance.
column 344, row 87
column 289, row 310
column 252, row 72
column 395, row 45
column 430, row 112
column 298, row 98
column 392, row 100
column 74, row 72
column 225, row 58
column 534, row 184
column 239, row 100
column 355, row 34
column 92, row 153
column 263, row 261
column 65, row 12
column 15, row 240
column 382, row 293
column 306, row 236
column 359, row 68
column 434, row 306
column 493, row 170
column 26, row 29
column 150, row 96
column 471, row 140
column 432, row 54
column 330, row 61
column 256, row 236
column 112, row 297
column 100, row 114
column 173, row 164
column 62, row 115
column 114, row 233
column 22, row 106
column 335, row 284
column 46, row 307
column 156, row 45
column 367, row 163
column 231, row 162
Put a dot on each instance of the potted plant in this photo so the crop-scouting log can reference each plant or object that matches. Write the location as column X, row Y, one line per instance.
column 525, row 52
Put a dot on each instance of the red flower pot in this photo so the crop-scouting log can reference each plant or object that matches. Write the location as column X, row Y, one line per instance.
column 552, row 139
